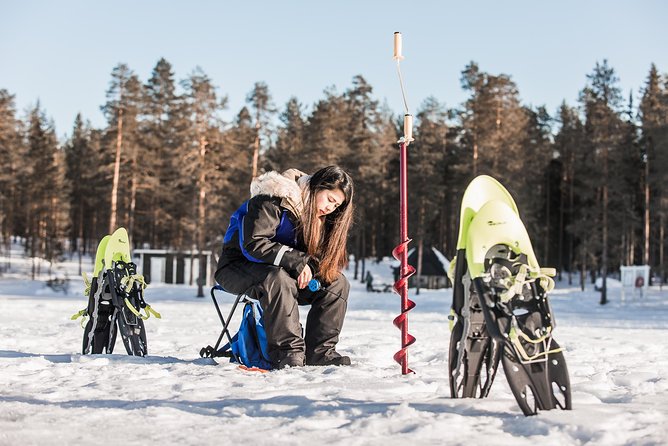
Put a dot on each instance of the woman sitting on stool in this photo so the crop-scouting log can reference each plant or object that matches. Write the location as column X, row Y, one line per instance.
column 293, row 228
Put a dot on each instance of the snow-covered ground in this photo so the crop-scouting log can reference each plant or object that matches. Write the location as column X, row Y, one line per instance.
column 50, row 394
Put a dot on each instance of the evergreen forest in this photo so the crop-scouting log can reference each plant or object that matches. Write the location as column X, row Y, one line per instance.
column 589, row 181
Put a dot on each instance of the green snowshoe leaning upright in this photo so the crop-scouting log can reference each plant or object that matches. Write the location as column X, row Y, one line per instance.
column 500, row 308
column 115, row 299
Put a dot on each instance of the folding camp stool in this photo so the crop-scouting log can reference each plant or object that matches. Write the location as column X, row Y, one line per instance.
column 214, row 352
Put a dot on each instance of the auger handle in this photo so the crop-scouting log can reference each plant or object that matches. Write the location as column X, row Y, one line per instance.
column 397, row 46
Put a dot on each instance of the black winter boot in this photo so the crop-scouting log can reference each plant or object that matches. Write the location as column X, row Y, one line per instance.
column 324, row 322
column 291, row 361
column 333, row 360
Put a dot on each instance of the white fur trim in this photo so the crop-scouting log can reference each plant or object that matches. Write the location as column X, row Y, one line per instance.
column 303, row 181
column 276, row 185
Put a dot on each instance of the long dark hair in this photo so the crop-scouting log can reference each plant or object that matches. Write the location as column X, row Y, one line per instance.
column 327, row 242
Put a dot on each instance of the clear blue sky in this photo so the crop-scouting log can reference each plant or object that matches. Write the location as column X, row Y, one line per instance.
column 62, row 52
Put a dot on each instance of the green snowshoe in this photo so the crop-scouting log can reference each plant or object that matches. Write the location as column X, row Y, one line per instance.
column 500, row 309
column 115, row 299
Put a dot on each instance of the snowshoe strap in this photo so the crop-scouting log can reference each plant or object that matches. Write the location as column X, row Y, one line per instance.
column 86, row 284
column 133, row 309
column 516, row 333
column 545, row 278
column 150, row 311
column 83, row 313
column 525, row 276
column 147, row 309
column 129, row 281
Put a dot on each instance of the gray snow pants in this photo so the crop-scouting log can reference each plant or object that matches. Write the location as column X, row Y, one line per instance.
column 279, row 296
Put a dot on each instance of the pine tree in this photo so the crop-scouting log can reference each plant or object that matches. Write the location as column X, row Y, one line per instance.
column 262, row 110
column 385, row 207
column 426, row 155
column 653, row 114
column 507, row 140
column 361, row 158
column 601, row 99
column 472, row 80
column 77, row 159
column 234, row 158
column 84, row 174
column 495, row 124
column 568, row 145
column 628, row 203
column 538, row 194
column 10, row 154
column 203, row 108
column 286, row 153
column 121, row 110
column 327, row 130
column 163, row 125
column 97, row 179
column 46, row 211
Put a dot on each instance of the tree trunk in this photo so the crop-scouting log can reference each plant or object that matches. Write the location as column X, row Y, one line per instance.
column 256, row 148
column 560, row 260
column 632, row 251
column 475, row 155
column 571, row 200
column 356, row 266
column 363, row 249
column 647, row 223
column 192, row 263
column 80, row 244
column 623, row 245
column 363, row 275
column 661, row 242
column 583, row 267
column 418, row 276
column 133, row 190
column 154, row 221
column 546, row 249
column 117, row 172
column 604, row 262
column 201, row 214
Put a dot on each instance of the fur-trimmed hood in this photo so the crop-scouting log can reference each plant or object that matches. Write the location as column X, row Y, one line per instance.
column 290, row 186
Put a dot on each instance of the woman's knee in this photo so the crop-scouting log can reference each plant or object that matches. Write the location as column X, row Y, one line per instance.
column 239, row 278
column 276, row 274
column 232, row 280
column 278, row 279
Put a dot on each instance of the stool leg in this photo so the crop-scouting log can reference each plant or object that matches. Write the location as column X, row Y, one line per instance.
column 225, row 323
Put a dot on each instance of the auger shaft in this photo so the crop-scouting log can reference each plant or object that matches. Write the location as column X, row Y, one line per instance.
column 400, row 252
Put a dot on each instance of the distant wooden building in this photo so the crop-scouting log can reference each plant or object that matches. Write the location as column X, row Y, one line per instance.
column 163, row 266
column 434, row 269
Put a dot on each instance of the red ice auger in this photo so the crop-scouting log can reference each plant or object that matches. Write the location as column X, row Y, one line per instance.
column 400, row 252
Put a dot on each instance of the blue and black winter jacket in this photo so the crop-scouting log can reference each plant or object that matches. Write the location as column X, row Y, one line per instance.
column 263, row 229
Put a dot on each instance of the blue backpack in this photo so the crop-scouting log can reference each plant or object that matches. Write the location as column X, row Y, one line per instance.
column 249, row 345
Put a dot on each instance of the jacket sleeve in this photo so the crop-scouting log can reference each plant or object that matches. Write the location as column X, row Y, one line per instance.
column 258, row 227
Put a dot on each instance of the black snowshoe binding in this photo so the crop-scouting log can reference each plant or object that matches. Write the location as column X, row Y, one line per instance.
column 115, row 299
column 500, row 309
